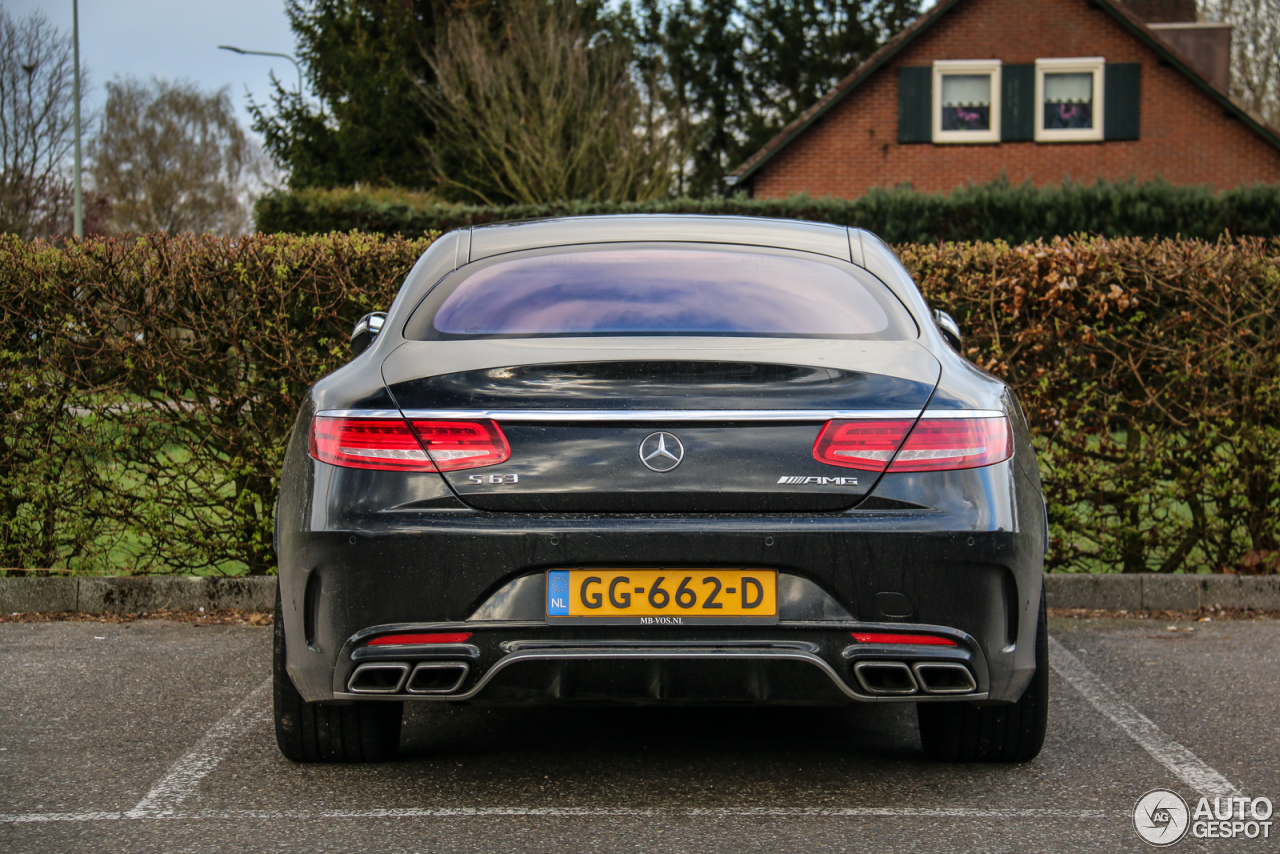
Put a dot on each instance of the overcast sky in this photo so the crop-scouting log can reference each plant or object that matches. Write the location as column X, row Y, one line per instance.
column 176, row 39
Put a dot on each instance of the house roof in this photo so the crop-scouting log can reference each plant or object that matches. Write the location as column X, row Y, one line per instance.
column 895, row 45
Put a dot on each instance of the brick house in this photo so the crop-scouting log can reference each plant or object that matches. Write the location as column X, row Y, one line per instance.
column 1033, row 90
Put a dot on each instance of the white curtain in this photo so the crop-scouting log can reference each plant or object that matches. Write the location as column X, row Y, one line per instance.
column 966, row 90
column 1068, row 88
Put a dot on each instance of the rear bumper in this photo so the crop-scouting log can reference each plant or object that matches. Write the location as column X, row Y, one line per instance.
column 900, row 571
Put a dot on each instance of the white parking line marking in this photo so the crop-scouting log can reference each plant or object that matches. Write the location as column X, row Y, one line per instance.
column 1169, row 753
column 185, row 774
column 575, row 812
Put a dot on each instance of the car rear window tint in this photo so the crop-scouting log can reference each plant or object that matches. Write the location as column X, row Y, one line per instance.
column 660, row 291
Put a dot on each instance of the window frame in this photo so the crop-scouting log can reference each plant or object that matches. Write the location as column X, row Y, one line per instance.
column 945, row 67
column 1095, row 65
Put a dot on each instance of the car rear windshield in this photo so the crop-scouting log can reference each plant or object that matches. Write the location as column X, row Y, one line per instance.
column 660, row 291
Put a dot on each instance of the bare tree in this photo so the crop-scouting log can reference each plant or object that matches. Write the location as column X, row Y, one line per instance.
column 547, row 108
column 36, row 126
column 173, row 158
column 1255, row 52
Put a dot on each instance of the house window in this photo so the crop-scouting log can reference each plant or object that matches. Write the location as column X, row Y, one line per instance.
column 966, row 101
column 1069, row 100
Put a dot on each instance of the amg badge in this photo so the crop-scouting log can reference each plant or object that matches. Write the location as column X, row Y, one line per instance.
column 820, row 481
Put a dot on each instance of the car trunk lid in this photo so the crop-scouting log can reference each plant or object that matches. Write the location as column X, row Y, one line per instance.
column 663, row 435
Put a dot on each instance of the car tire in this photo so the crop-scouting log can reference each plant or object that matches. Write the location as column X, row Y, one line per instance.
column 328, row 732
column 963, row 732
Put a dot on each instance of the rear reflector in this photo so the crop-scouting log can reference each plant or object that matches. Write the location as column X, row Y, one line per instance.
column 438, row 637
column 934, row 444
column 919, row 640
column 463, row 444
column 388, row 444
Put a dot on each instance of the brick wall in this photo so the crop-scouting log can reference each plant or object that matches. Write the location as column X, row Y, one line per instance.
column 1185, row 136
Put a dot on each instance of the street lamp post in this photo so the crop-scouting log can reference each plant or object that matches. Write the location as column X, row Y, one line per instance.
column 78, row 223
column 244, row 52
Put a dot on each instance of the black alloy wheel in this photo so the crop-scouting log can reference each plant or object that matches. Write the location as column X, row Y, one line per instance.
column 963, row 732
column 328, row 732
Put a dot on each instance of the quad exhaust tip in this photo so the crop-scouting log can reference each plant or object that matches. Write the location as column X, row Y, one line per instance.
column 393, row 677
column 381, row 678
column 900, row 679
column 885, row 677
column 944, row 678
column 438, row 677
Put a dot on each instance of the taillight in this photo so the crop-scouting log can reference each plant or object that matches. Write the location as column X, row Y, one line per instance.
column 435, row 637
column 865, row 445
column 943, row 444
column 389, row 444
column 463, row 444
column 385, row 444
column 916, row 640
column 934, row 444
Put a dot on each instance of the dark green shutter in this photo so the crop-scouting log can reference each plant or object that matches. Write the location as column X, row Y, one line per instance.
column 1123, row 94
column 1017, row 103
column 915, row 104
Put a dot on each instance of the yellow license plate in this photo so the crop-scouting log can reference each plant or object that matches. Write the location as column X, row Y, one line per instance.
column 692, row 594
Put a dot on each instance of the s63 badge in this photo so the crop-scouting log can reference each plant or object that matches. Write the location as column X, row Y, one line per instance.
column 492, row 479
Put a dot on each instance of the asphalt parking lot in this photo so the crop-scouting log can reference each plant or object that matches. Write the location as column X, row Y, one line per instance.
column 156, row 736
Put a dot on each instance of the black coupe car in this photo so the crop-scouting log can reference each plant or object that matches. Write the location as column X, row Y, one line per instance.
column 660, row 459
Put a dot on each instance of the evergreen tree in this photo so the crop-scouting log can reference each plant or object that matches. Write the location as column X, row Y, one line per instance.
column 744, row 68
column 363, row 62
column 798, row 49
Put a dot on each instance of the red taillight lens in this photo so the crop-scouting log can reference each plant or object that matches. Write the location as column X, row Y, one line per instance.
column 934, row 444
column 385, row 444
column 437, row 637
column 919, row 640
column 463, row 444
column 388, row 444
column 943, row 444
column 865, row 445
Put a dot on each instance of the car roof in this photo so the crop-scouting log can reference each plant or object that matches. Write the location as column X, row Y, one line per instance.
column 820, row 238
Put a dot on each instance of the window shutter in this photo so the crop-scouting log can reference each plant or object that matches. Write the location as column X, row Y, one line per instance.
column 1123, row 91
column 1017, row 103
column 915, row 104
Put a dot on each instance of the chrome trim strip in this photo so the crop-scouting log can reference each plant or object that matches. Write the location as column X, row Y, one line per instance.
column 359, row 413
column 416, row 650
column 660, row 414
column 522, row 645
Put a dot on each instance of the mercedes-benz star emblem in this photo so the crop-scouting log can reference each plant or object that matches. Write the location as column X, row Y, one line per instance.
column 661, row 452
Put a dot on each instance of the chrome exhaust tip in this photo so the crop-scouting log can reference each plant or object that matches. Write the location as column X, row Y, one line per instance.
column 438, row 677
column 383, row 677
column 944, row 677
column 885, row 677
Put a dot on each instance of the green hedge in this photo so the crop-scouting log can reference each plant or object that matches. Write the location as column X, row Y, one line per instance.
column 154, row 381
column 150, row 384
column 992, row 212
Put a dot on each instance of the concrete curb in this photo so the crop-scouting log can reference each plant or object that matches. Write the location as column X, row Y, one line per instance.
column 135, row 594
column 124, row 595
column 1152, row 592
